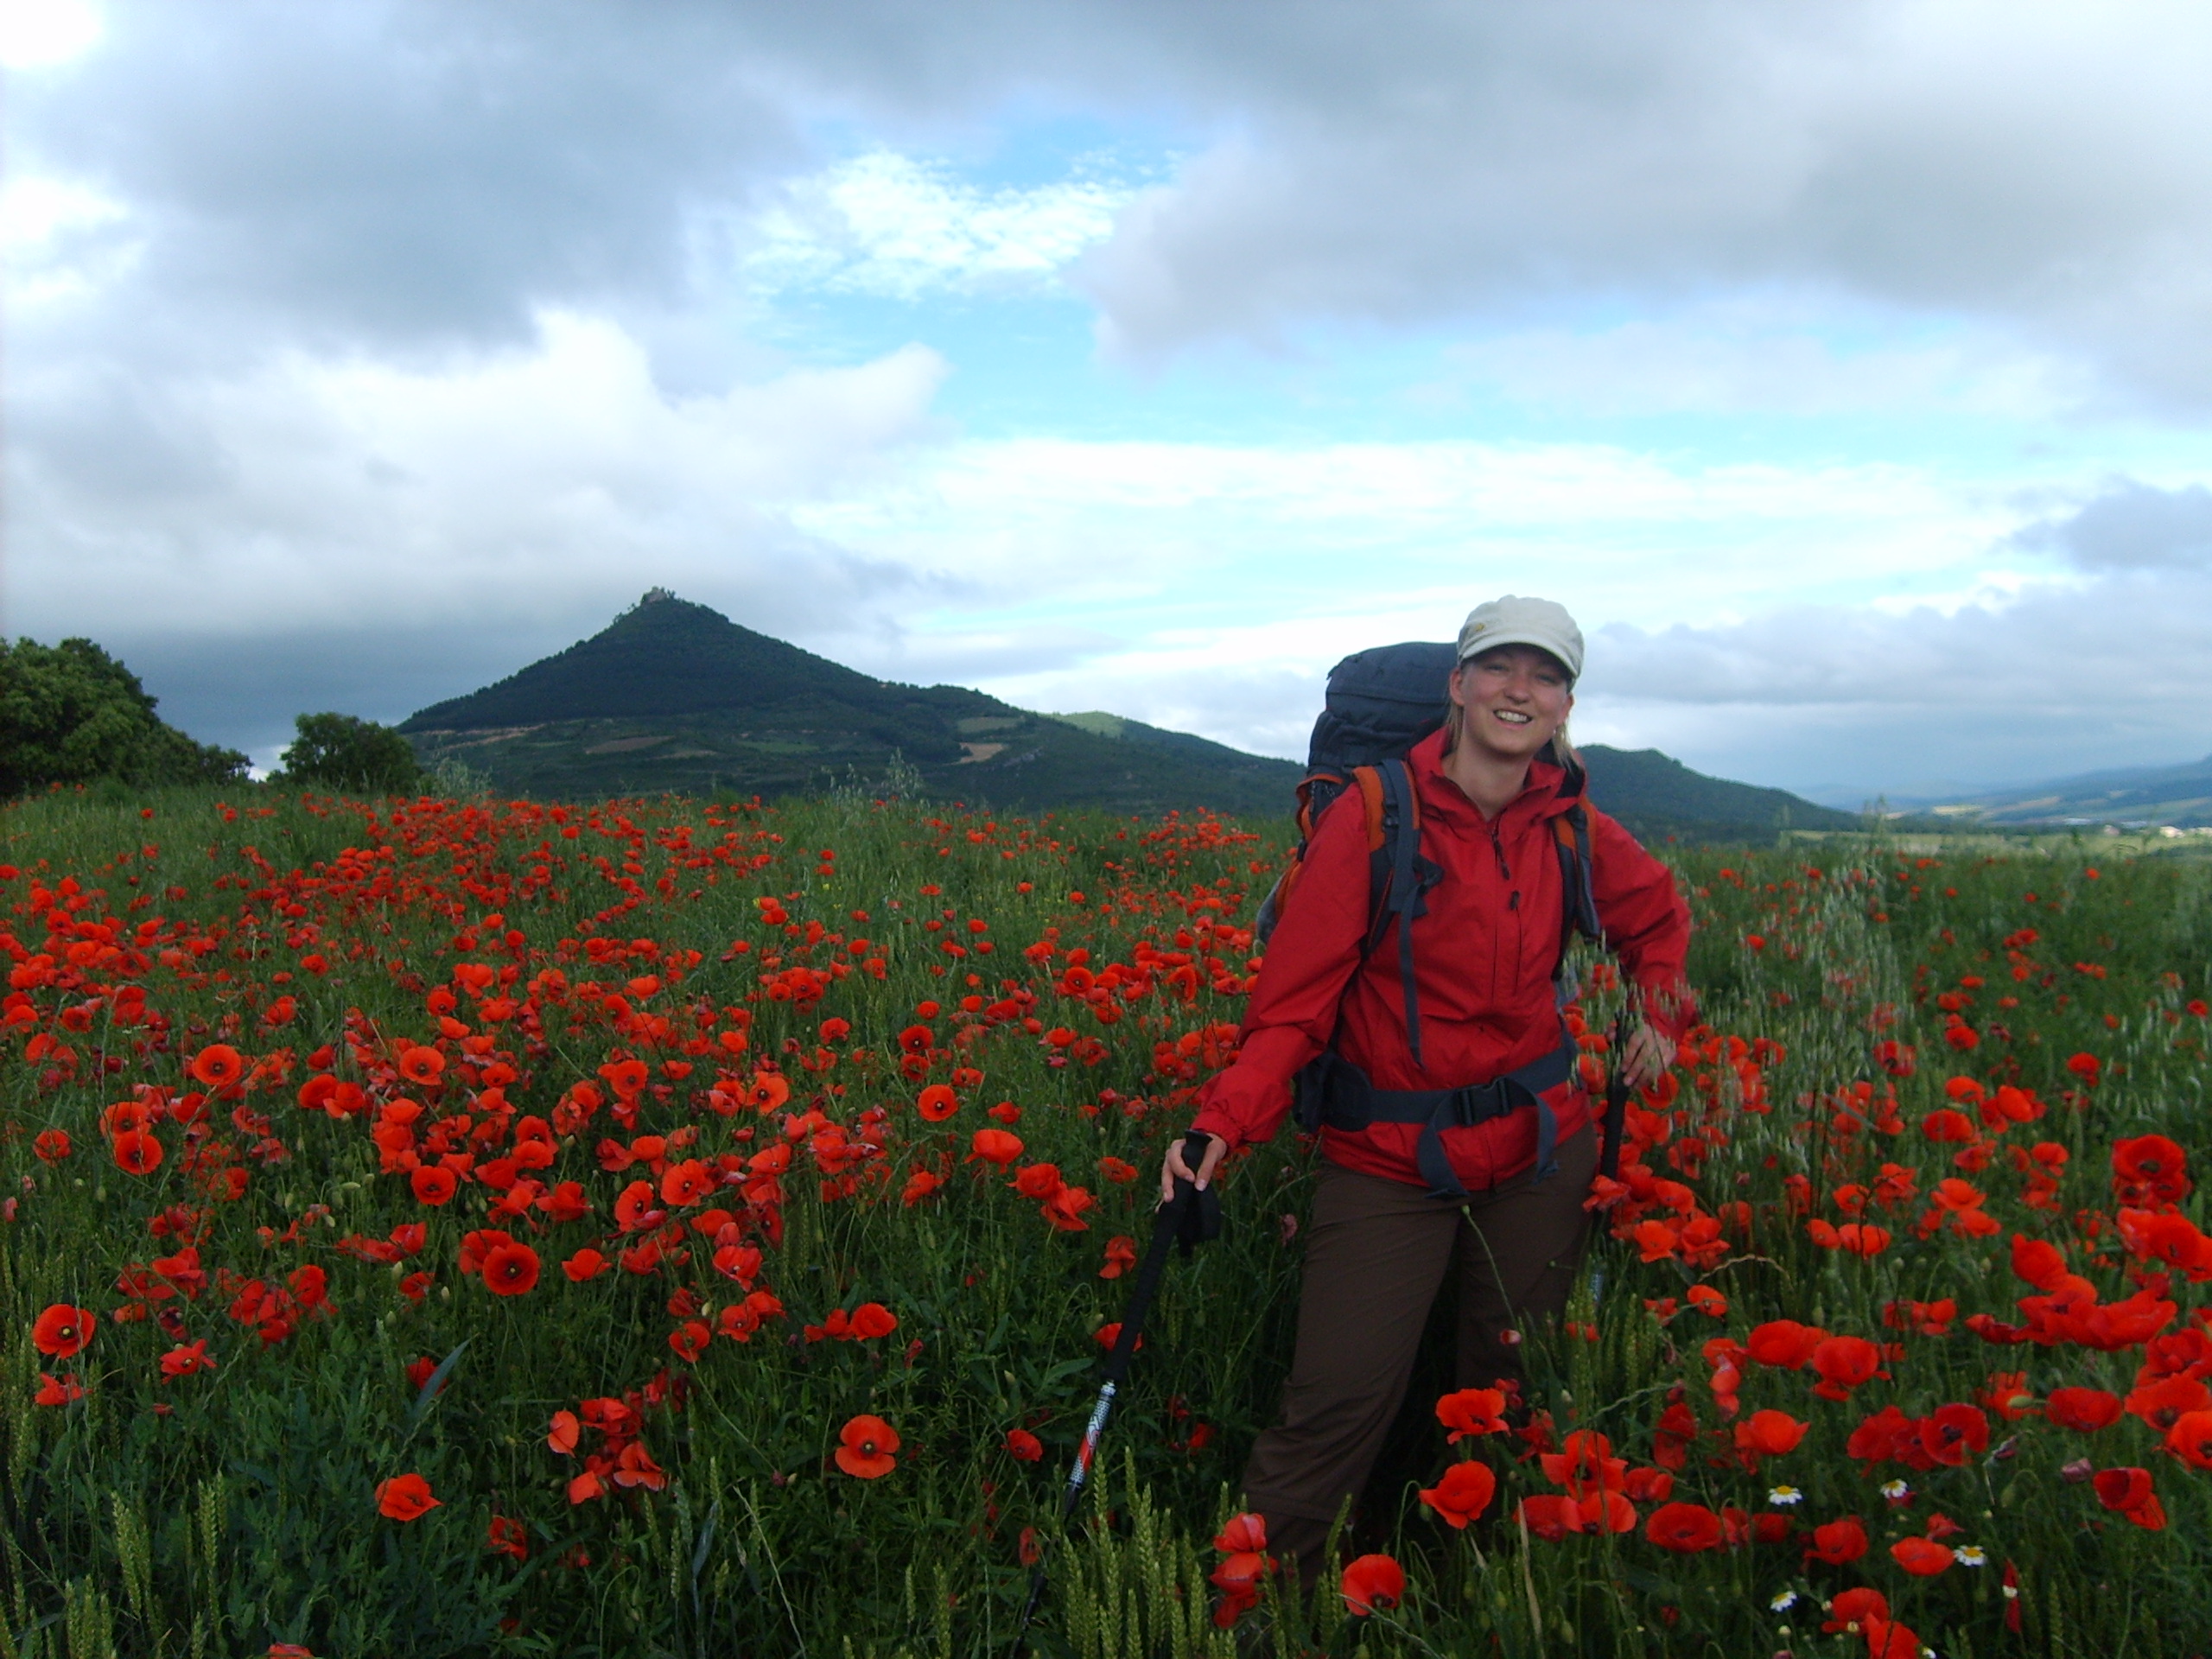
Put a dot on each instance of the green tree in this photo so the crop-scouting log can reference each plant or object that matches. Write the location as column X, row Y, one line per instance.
column 71, row 714
column 345, row 752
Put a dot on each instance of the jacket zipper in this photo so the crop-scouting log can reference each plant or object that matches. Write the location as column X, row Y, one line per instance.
column 1498, row 847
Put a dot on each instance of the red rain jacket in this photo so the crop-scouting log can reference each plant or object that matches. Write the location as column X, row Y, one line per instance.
column 1483, row 962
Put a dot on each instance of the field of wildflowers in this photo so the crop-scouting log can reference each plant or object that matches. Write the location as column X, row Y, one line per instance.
column 679, row 1228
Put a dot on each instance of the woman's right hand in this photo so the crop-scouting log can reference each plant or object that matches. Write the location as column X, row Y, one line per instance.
column 1176, row 1169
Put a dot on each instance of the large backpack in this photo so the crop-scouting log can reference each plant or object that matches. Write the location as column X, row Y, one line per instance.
column 1380, row 703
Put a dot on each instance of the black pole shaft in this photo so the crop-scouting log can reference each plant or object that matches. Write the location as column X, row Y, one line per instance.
column 1166, row 1224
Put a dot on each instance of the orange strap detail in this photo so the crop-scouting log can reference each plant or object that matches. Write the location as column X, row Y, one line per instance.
column 1371, row 798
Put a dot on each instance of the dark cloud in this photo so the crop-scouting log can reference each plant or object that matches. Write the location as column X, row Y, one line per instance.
column 2131, row 526
column 409, row 173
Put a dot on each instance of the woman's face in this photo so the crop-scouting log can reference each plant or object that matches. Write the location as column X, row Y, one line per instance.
column 1512, row 699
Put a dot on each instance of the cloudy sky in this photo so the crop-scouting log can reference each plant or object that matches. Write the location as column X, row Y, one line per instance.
column 1847, row 368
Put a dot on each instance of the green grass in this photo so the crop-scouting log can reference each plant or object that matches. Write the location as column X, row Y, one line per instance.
column 223, row 1512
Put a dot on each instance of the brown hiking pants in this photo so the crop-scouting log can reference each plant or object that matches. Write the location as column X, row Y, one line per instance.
column 1376, row 1257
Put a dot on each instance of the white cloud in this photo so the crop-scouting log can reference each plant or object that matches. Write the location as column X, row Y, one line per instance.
column 1732, row 359
column 2039, row 170
column 887, row 224
column 355, row 494
column 43, row 34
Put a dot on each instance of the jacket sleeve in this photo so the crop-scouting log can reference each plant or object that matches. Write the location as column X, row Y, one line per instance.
column 1646, row 922
column 1309, row 962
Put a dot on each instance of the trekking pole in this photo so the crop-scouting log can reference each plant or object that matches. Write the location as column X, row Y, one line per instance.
column 1189, row 1218
column 1609, row 1159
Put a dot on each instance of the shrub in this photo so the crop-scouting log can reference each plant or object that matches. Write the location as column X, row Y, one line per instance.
column 345, row 752
column 71, row 714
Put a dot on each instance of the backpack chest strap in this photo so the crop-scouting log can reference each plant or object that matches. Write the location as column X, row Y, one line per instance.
column 1333, row 1091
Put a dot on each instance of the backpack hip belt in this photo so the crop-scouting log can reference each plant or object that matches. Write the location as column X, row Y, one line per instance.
column 1335, row 1092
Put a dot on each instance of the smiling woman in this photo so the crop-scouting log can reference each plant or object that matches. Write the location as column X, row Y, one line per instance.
column 1456, row 1132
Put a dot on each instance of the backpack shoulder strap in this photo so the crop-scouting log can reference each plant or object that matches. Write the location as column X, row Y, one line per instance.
column 1578, row 899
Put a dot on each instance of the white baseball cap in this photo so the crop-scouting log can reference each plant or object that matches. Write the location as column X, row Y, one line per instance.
column 1513, row 620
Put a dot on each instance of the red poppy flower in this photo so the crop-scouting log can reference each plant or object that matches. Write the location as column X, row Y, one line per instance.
column 509, row 1269
column 1954, row 1433
column 1472, row 1411
column 690, row 1340
column 1784, row 1343
column 1244, row 1533
column 995, row 1147
column 1921, row 1557
column 2151, row 1166
column 867, row 1445
column 625, row 1077
column 1066, row 1207
column 62, row 1331
column 936, row 1102
column 1839, row 1543
column 1708, row 1300
column 2190, row 1438
column 2086, row 1410
column 434, row 1183
column 1372, row 1584
column 217, row 1065
column 1038, row 1181
column 1119, row 1170
column 1844, row 1363
column 2122, row 1490
column 1463, row 1493
column 422, row 1066
column 1683, row 1528
column 1121, row 1256
column 1606, row 1510
column 1549, row 1516
column 508, row 1536
column 687, row 1183
column 1770, row 1433
column 563, row 1436
column 2161, row 1403
column 1854, row 1609
column 58, row 1390
column 586, row 1263
column 873, row 1320
column 2038, row 1263
column 138, row 1153
column 187, row 1361
column 52, row 1146
column 404, row 1497
column 633, row 1209
column 636, row 1467
column 1023, row 1446
column 919, row 1185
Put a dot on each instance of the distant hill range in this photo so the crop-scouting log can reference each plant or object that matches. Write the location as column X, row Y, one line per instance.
column 674, row 697
column 2132, row 798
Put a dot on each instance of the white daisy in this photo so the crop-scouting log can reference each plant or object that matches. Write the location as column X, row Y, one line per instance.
column 1784, row 1602
column 1971, row 1555
column 1896, row 1490
column 1785, row 1496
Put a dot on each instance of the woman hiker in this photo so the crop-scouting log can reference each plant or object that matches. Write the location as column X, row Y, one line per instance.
column 1389, row 1223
